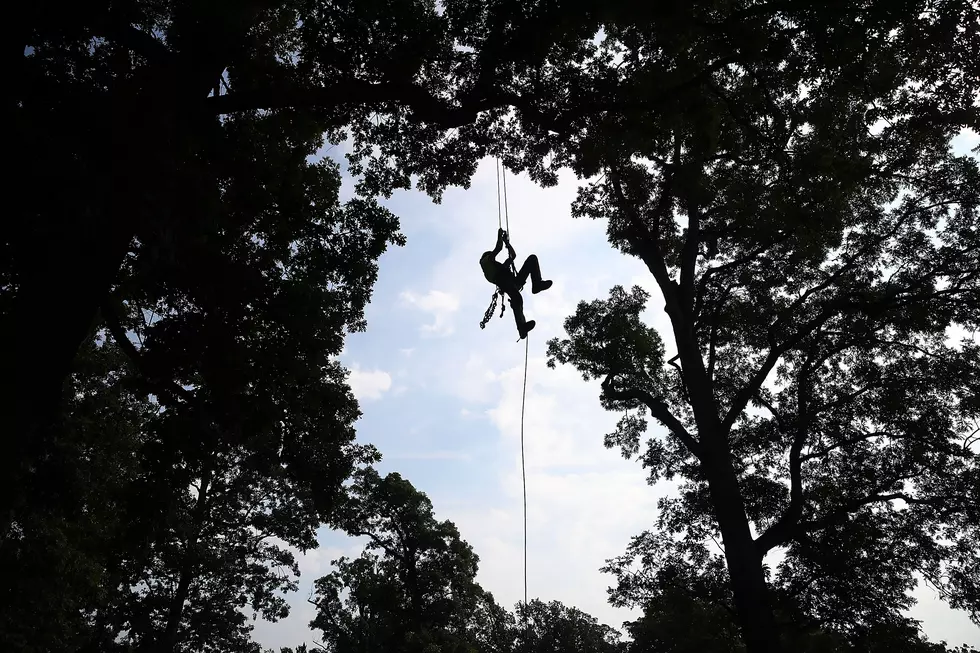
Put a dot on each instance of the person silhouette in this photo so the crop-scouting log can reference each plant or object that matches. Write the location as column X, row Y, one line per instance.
column 510, row 281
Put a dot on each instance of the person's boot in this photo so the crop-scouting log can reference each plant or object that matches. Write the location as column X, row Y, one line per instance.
column 538, row 287
column 527, row 327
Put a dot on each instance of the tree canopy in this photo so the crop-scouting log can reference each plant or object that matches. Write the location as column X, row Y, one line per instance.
column 814, row 241
column 413, row 588
column 207, row 413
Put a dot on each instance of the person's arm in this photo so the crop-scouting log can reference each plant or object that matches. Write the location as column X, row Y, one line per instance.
column 500, row 242
column 511, row 254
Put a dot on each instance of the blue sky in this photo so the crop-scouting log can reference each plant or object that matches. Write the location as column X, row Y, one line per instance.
column 441, row 400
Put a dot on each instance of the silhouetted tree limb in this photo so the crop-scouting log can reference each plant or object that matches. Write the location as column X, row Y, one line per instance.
column 657, row 407
column 160, row 384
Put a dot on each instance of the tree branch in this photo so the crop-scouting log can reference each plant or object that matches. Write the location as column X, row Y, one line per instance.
column 782, row 529
column 689, row 252
column 732, row 265
column 850, row 264
column 425, row 106
column 114, row 28
column 750, row 389
column 850, row 441
column 159, row 384
column 945, row 504
column 755, row 383
column 847, row 398
column 651, row 256
column 765, row 403
column 714, row 324
column 658, row 408
column 377, row 540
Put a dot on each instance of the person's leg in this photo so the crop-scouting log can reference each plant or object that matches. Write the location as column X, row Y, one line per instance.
column 533, row 269
column 517, row 307
column 516, row 304
column 530, row 268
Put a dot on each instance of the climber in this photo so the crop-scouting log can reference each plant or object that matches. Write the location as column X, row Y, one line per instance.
column 510, row 281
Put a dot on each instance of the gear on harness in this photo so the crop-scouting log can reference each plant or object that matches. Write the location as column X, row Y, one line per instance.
column 488, row 314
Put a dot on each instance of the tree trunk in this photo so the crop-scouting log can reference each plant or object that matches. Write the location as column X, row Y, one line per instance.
column 176, row 610
column 66, row 266
column 187, row 571
column 752, row 598
column 751, row 593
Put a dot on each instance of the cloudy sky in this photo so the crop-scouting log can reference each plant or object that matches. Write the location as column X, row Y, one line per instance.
column 442, row 401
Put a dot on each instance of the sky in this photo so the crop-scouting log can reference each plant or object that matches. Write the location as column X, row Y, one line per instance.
column 441, row 399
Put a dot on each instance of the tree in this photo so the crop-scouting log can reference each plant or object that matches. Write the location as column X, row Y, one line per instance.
column 555, row 628
column 420, row 88
column 183, row 224
column 684, row 592
column 493, row 628
column 815, row 245
column 54, row 559
column 224, row 335
column 686, row 599
column 413, row 588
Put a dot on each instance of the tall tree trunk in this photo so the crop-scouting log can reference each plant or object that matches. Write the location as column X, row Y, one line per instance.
column 751, row 593
column 136, row 139
column 188, row 570
column 752, row 598
column 66, row 266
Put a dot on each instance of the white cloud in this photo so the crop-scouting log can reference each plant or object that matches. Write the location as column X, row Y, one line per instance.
column 473, row 381
column 368, row 384
column 440, row 305
column 399, row 390
column 965, row 142
column 429, row 455
column 584, row 502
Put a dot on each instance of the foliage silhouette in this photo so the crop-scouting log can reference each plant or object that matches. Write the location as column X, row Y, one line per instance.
column 414, row 588
column 218, row 340
column 811, row 250
column 553, row 627
column 177, row 277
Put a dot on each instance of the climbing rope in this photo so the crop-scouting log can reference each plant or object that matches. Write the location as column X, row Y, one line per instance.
column 503, row 222
column 503, row 175
column 503, row 219
column 524, row 489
